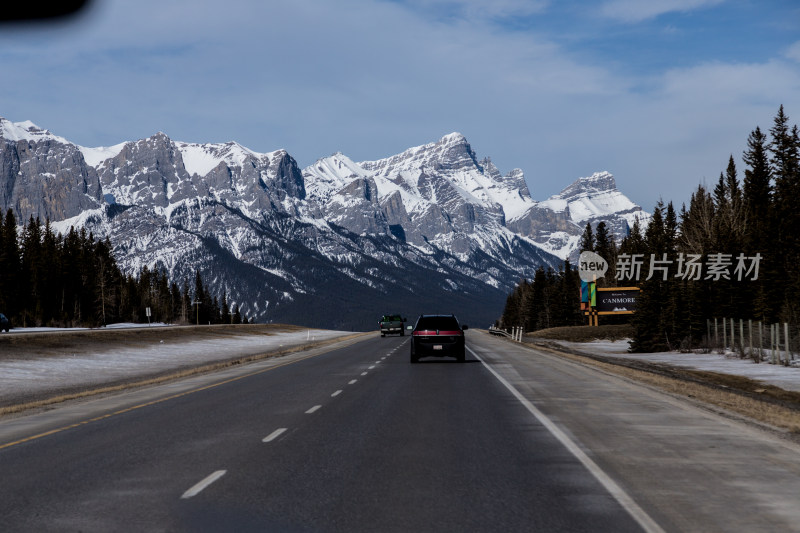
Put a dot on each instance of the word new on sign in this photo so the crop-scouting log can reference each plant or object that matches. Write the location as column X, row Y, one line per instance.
column 690, row 267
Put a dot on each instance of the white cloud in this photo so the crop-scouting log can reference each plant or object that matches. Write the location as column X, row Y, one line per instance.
column 640, row 10
column 483, row 8
column 371, row 78
column 793, row 52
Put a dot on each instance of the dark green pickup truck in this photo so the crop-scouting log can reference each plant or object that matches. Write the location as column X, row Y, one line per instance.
column 392, row 324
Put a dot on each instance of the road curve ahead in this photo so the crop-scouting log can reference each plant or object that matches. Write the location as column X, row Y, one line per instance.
column 349, row 439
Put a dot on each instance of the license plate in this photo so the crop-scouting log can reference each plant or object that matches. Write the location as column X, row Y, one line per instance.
column 437, row 346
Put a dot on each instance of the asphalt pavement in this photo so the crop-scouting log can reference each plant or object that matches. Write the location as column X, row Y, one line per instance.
column 352, row 437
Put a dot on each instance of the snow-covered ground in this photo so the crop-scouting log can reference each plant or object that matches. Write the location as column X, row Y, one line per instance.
column 785, row 377
column 23, row 377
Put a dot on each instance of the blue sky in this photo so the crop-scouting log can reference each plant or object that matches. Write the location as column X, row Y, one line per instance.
column 658, row 92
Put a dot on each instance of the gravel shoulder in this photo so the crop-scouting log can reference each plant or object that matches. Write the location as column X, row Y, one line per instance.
column 763, row 404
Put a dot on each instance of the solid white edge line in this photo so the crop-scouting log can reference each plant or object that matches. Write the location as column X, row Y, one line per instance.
column 197, row 489
column 274, row 435
column 313, row 409
column 337, row 393
column 638, row 514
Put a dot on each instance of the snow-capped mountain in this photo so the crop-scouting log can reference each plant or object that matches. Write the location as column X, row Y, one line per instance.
column 335, row 244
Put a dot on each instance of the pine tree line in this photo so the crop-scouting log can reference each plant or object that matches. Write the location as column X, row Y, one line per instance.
column 549, row 300
column 49, row 279
column 756, row 215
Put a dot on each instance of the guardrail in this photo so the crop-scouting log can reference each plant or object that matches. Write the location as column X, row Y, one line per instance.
column 515, row 335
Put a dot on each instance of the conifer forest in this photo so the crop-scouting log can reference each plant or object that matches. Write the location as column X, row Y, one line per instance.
column 73, row 280
column 732, row 251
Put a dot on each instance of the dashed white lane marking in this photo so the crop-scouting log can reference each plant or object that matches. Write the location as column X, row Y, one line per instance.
column 352, row 382
column 624, row 499
column 197, row 489
column 274, row 435
column 337, row 393
column 370, row 368
column 363, row 373
column 314, row 409
column 377, row 362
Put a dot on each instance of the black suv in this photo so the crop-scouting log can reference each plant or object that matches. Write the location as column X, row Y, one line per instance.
column 438, row 336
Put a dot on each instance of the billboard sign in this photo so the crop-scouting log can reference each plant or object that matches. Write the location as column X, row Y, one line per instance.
column 616, row 300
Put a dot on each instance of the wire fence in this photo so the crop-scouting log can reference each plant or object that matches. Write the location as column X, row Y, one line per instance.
column 775, row 344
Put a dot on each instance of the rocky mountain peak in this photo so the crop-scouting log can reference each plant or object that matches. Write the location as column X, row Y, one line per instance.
column 596, row 183
column 26, row 131
column 450, row 153
column 430, row 223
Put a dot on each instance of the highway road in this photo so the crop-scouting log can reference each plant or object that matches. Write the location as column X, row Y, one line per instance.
column 354, row 438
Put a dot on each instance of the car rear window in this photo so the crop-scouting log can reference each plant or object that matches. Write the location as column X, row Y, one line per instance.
column 447, row 323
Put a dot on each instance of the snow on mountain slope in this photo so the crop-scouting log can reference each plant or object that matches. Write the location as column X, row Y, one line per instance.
column 26, row 131
column 589, row 198
column 440, row 194
column 327, row 245
column 201, row 159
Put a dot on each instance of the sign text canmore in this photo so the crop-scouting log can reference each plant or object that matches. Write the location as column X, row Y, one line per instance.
column 616, row 300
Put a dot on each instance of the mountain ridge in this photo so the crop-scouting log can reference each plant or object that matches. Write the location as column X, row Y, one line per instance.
column 426, row 225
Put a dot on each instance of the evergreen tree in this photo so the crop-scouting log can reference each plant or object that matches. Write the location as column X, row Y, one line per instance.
column 10, row 266
column 758, row 237
column 650, row 324
column 200, row 298
column 226, row 312
column 33, row 272
column 587, row 239
column 186, row 303
column 607, row 249
column 785, row 167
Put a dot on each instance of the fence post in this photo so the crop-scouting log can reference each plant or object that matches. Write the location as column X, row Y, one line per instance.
column 771, row 342
column 733, row 335
column 724, row 334
column 786, row 338
column 760, row 341
column 716, row 334
column 741, row 338
column 750, row 337
column 776, row 355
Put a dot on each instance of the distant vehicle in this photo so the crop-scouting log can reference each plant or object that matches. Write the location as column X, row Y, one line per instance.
column 392, row 324
column 5, row 323
column 438, row 336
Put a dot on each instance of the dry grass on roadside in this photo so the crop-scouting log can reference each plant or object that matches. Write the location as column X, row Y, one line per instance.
column 585, row 333
column 81, row 341
column 780, row 408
